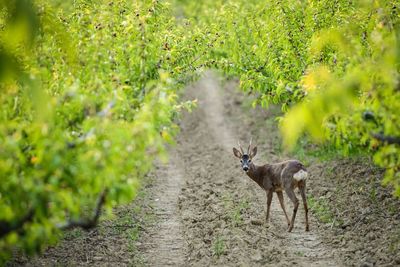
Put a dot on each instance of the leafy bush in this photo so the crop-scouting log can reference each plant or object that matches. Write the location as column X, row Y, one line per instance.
column 333, row 65
column 88, row 96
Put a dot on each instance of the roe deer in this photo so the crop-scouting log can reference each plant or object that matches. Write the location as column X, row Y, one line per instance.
column 286, row 175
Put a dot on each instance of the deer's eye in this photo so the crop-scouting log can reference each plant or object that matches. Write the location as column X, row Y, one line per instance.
column 249, row 160
column 241, row 161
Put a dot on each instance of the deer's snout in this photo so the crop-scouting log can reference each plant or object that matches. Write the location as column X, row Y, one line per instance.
column 245, row 168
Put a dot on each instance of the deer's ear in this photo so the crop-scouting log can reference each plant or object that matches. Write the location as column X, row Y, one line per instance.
column 253, row 152
column 237, row 153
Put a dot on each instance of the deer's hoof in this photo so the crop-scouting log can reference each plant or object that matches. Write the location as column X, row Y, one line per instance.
column 307, row 229
column 290, row 228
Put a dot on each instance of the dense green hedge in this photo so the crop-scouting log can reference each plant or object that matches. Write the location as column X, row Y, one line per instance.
column 332, row 65
column 88, row 98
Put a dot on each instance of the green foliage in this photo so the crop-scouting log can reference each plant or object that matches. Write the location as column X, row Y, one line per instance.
column 218, row 246
column 88, row 96
column 332, row 65
column 320, row 207
column 235, row 208
column 362, row 80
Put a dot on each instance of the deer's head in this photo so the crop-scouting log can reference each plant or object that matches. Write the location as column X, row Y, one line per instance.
column 245, row 158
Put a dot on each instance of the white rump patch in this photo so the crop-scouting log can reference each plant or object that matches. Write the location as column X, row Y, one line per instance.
column 300, row 175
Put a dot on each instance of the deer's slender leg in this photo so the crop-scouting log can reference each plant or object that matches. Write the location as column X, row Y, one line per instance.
column 303, row 196
column 280, row 197
column 269, row 201
column 293, row 198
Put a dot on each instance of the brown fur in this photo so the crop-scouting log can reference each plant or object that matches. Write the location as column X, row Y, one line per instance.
column 278, row 177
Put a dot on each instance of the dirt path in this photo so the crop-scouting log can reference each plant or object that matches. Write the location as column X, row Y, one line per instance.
column 164, row 245
column 220, row 215
column 211, row 103
column 219, row 204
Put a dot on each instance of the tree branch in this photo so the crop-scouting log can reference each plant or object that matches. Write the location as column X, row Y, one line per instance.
column 386, row 138
column 7, row 227
column 89, row 223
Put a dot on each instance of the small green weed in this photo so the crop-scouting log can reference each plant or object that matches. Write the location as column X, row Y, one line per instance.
column 73, row 234
column 395, row 241
column 373, row 194
column 320, row 207
column 218, row 246
column 299, row 253
column 235, row 209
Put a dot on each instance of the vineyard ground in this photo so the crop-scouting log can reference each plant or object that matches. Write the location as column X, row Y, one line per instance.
column 207, row 212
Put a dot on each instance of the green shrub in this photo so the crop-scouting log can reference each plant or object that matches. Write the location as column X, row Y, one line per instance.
column 332, row 65
column 88, row 96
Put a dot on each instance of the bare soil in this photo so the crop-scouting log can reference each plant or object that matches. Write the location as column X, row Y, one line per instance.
column 164, row 244
column 222, row 209
column 200, row 209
